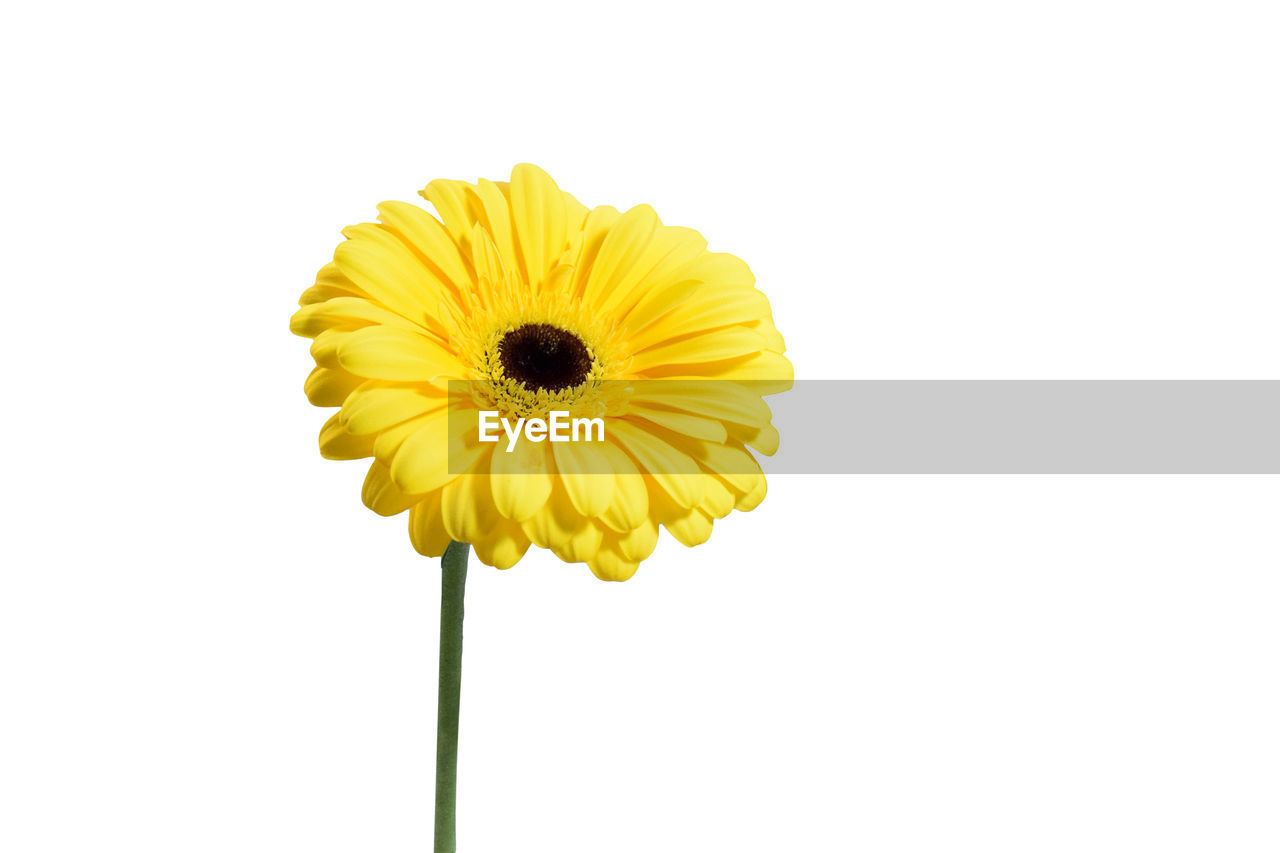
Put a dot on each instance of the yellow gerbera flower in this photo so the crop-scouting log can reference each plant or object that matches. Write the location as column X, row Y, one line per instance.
column 519, row 299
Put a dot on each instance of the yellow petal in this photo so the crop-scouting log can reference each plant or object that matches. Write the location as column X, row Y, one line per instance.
column 618, row 266
column 676, row 472
column 657, row 302
column 324, row 349
column 328, row 386
column 751, row 499
column 584, row 247
column 434, row 453
column 467, row 508
column 585, row 471
column 559, row 280
column 693, row 529
column 769, row 334
column 337, row 443
column 731, row 461
column 502, row 547
column 431, row 242
column 556, row 522
column 575, row 214
column 681, row 422
column 452, row 201
column 722, row 400
column 662, row 507
column 344, row 312
column 717, row 345
column 764, row 439
column 709, row 307
column 638, row 544
column 717, row 498
column 323, row 293
column 538, row 212
column 629, row 506
column 521, row 479
column 384, row 268
column 765, row 372
column 383, row 352
column 664, row 261
column 389, row 441
column 720, row 268
column 491, row 269
column 579, row 547
column 488, row 202
column 375, row 407
column 609, row 565
column 426, row 527
column 330, row 284
column 383, row 496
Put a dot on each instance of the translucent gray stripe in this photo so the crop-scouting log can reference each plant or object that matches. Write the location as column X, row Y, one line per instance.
column 1028, row 427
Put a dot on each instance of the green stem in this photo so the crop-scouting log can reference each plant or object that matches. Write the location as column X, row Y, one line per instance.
column 453, row 583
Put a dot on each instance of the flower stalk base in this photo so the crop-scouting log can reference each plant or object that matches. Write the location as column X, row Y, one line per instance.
column 453, row 583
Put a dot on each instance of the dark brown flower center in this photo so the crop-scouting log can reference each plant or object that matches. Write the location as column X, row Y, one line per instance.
column 544, row 357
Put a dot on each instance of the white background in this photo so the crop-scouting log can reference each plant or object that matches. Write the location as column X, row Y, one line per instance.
column 208, row 644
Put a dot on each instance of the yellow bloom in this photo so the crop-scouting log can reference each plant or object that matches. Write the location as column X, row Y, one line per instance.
column 519, row 299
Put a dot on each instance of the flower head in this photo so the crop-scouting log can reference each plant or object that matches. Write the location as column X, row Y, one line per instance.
column 520, row 300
